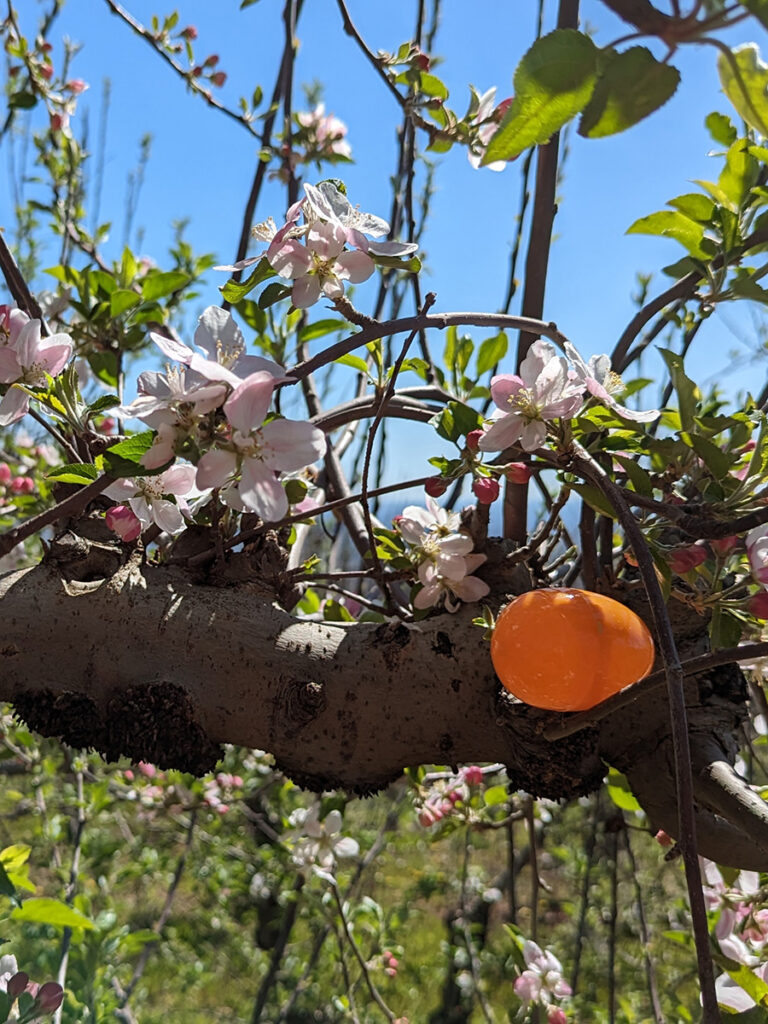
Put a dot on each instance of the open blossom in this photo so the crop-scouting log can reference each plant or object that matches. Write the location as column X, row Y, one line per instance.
column 26, row 358
column 487, row 117
column 438, row 587
column 257, row 451
column 542, row 981
column 319, row 843
column 321, row 266
column 146, row 496
column 323, row 135
column 757, row 552
column 543, row 391
column 434, row 536
column 602, row 382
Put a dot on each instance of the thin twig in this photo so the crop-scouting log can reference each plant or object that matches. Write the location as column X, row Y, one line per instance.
column 286, row 926
column 66, row 938
column 375, row 994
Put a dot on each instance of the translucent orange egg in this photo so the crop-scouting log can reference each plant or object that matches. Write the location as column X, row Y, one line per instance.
column 567, row 650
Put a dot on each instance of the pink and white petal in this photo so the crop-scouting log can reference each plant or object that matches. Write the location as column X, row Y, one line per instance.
column 28, row 343
column 248, row 405
column 428, row 596
column 393, row 248
column 731, row 995
column 502, row 433
column 167, row 515
column 247, row 365
column 539, row 355
column 54, row 354
column 564, row 408
column 261, row 492
column 121, row 490
column 215, row 468
column 174, row 349
column 533, row 436
column 346, row 847
column 212, row 370
column 632, row 414
column 505, row 386
column 452, row 567
column 354, row 266
column 215, row 325
column 241, row 265
column 162, row 450
column 13, row 406
column 292, row 444
column 207, row 398
column 306, row 291
column 290, row 259
column 474, row 562
column 332, row 287
column 456, row 544
column 141, row 510
column 358, row 240
column 470, row 588
column 327, row 240
column 10, row 367
column 178, row 480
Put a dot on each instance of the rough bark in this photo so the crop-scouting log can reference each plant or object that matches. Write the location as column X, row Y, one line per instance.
column 147, row 663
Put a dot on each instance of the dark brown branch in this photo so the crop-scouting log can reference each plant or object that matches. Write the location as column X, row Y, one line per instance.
column 69, row 507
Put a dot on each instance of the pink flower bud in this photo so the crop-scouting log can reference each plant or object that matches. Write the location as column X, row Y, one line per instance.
column 219, row 78
column 758, row 604
column 435, row 486
column 76, row 86
column 190, row 32
column 684, row 559
column 391, row 971
column 59, row 122
column 502, row 108
column 50, row 996
column 22, row 485
column 454, row 796
column 107, row 425
column 473, row 439
column 212, row 61
column 473, row 775
column 5, row 474
column 663, row 839
column 17, row 984
column 556, row 1016
column 724, row 545
column 421, row 61
column 46, row 70
column 486, row 489
column 128, row 775
column 147, row 770
column 237, row 782
column 121, row 520
column 518, row 473
column 426, row 818
column 197, row 71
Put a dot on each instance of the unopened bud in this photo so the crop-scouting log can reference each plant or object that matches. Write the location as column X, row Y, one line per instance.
column 190, row 32
column 435, row 486
column 473, row 439
column 50, row 996
column 486, row 490
column 724, row 545
column 17, row 984
column 684, row 559
column 122, row 521
column 518, row 473
column 473, row 774
column 219, row 78
column 758, row 604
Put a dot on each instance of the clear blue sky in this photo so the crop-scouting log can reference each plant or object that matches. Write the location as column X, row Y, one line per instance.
column 202, row 164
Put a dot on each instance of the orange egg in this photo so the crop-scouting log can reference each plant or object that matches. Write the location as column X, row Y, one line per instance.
column 567, row 650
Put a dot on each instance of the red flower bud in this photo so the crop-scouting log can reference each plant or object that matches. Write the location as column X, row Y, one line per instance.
column 436, row 486
column 518, row 473
column 190, row 32
column 758, row 604
column 219, row 78
column 473, row 774
column 724, row 545
column 50, row 996
column 17, row 984
column 473, row 439
column 486, row 489
column 684, row 559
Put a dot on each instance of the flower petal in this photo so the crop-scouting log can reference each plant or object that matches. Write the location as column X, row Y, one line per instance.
column 215, row 468
column 261, row 492
column 247, row 406
column 292, row 444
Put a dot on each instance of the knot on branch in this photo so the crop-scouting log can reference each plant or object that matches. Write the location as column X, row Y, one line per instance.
column 298, row 703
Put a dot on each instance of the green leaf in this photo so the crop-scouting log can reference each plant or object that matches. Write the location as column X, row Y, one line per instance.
column 552, row 83
column 320, row 328
column 234, row 291
column 22, row 100
column 721, row 128
column 44, row 910
column 491, row 353
column 595, row 499
column 412, row 265
column 718, row 462
column 350, row 359
column 620, row 793
column 74, row 473
column 157, row 286
column 640, row 480
column 495, row 795
column 124, row 458
column 739, row 174
column 675, row 225
column 630, row 86
column 122, row 300
column 103, row 403
column 744, row 78
column 105, row 366
column 694, row 205
column 273, row 293
column 7, row 888
column 759, row 8
column 688, row 394
column 456, row 420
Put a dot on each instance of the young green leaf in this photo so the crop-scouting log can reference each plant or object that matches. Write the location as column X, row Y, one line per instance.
column 744, row 78
column 553, row 82
column 675, row 225
column 631, row 85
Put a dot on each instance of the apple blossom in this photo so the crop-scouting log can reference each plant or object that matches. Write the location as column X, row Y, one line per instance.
column 487, row 121
column 324, row 134
column 319, row 842
column 146, row 497
column 486, row 490
column 437, row 587
column 121, row 520
column 757, row 553
column 8, row 969
column 27, row 359
column 684, row 559
column 257, row 450
column 433, row 534
column 543, row 391
column 602, row 382
column 327, row 203
column 435, row 486
column 542, row 980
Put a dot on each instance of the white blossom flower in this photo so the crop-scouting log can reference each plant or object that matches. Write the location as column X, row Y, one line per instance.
column 318, row 842
column 26, row 358
column 8, row 968
column 542, row 392
column 602, row 382
column 146, row 497
column 543, row 980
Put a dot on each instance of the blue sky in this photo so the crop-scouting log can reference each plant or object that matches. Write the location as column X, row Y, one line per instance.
column 202, row 164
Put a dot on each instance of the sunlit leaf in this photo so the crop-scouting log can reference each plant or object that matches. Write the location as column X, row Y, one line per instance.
column 630, row 86
column 744, row 78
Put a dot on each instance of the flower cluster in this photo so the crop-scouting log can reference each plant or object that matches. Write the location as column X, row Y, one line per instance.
column 220, row 790
column 26, row 360
column 328, row 249
column 448, row 796
column 318, row 843
column 319, row 138
column 549, row 387
column 542, row 982
column 213, row 408
column 41, row 999
column 741, row 930
column 442, row 556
